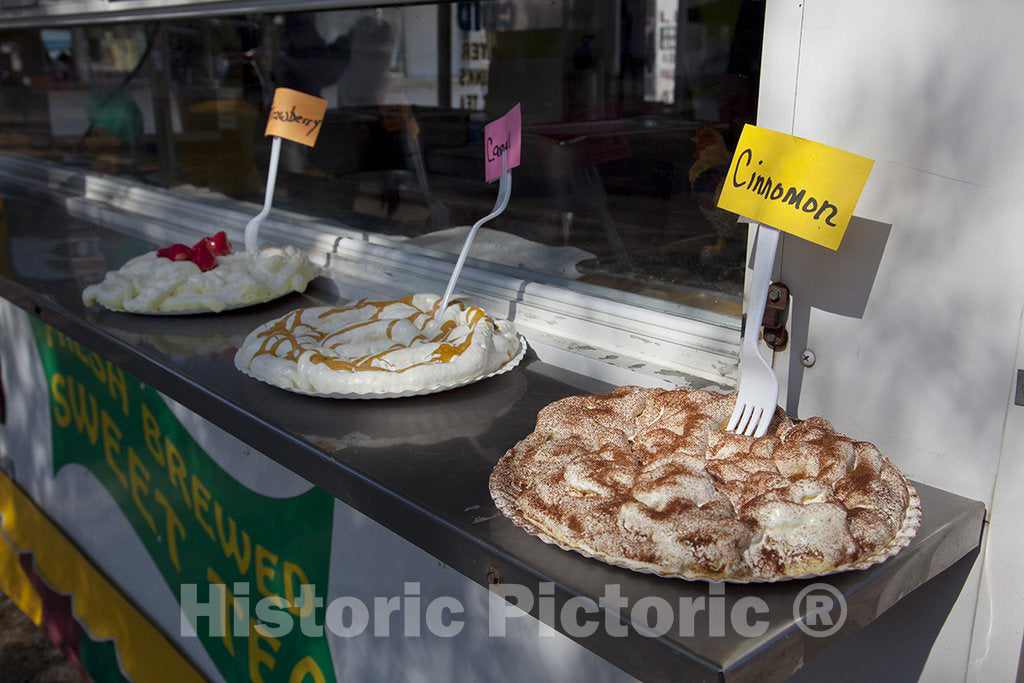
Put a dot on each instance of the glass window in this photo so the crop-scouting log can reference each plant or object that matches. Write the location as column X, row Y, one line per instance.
column 630, row 108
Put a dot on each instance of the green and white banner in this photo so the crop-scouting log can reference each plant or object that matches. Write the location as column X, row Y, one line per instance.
column 197, row 523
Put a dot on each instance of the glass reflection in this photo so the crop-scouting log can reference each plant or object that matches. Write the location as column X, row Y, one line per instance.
column 630, row 111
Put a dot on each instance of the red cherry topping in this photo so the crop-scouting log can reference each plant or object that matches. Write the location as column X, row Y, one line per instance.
column 175, row 252
column 203, row 253
column 218, row 244
column 203, row 257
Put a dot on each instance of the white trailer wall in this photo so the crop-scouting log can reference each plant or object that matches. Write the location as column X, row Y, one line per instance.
column 916, row 321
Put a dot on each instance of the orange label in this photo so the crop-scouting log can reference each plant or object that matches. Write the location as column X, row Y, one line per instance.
column 296, row 116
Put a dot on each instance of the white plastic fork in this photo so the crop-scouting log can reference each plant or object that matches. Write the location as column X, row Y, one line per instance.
column 759, row 387
column 504, row 192
column 252, row 240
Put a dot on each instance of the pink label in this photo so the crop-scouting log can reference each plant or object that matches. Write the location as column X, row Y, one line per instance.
column 502, row 136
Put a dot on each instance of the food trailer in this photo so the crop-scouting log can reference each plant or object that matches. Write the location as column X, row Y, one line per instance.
column 167, row 517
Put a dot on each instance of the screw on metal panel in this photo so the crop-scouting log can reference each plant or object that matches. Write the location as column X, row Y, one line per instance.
column 773, row 294
column 494, row 576
column 807, row 358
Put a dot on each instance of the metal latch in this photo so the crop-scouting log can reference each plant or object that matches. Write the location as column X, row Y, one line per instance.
column 776, row 310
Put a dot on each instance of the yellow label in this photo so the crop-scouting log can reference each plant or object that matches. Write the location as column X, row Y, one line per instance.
column 801, row 187
column 296, row 116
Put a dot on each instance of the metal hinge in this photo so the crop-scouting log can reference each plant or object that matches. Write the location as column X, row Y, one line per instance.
column 776, row 311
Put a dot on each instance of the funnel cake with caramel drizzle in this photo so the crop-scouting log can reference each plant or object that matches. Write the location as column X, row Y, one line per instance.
column 399, row 347
column 647, row 479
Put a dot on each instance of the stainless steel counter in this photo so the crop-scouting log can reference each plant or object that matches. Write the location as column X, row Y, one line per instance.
column 419, row 466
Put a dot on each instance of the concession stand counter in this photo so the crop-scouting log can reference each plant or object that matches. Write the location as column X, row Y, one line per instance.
column 166, row 517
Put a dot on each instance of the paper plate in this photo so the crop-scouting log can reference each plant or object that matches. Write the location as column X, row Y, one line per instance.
column 397, row 394
column 504, row 499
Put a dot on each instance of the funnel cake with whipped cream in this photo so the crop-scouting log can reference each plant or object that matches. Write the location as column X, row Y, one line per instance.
column 400, row 347
column 155, row 284
column 649, row 480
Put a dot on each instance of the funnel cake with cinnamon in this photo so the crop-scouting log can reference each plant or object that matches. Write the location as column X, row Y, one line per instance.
column 404, row 346
column 647, row 479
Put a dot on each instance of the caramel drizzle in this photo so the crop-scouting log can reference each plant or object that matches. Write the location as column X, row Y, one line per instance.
column 287, row 330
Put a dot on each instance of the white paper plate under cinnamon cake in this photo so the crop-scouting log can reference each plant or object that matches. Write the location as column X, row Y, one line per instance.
column 648, row 480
